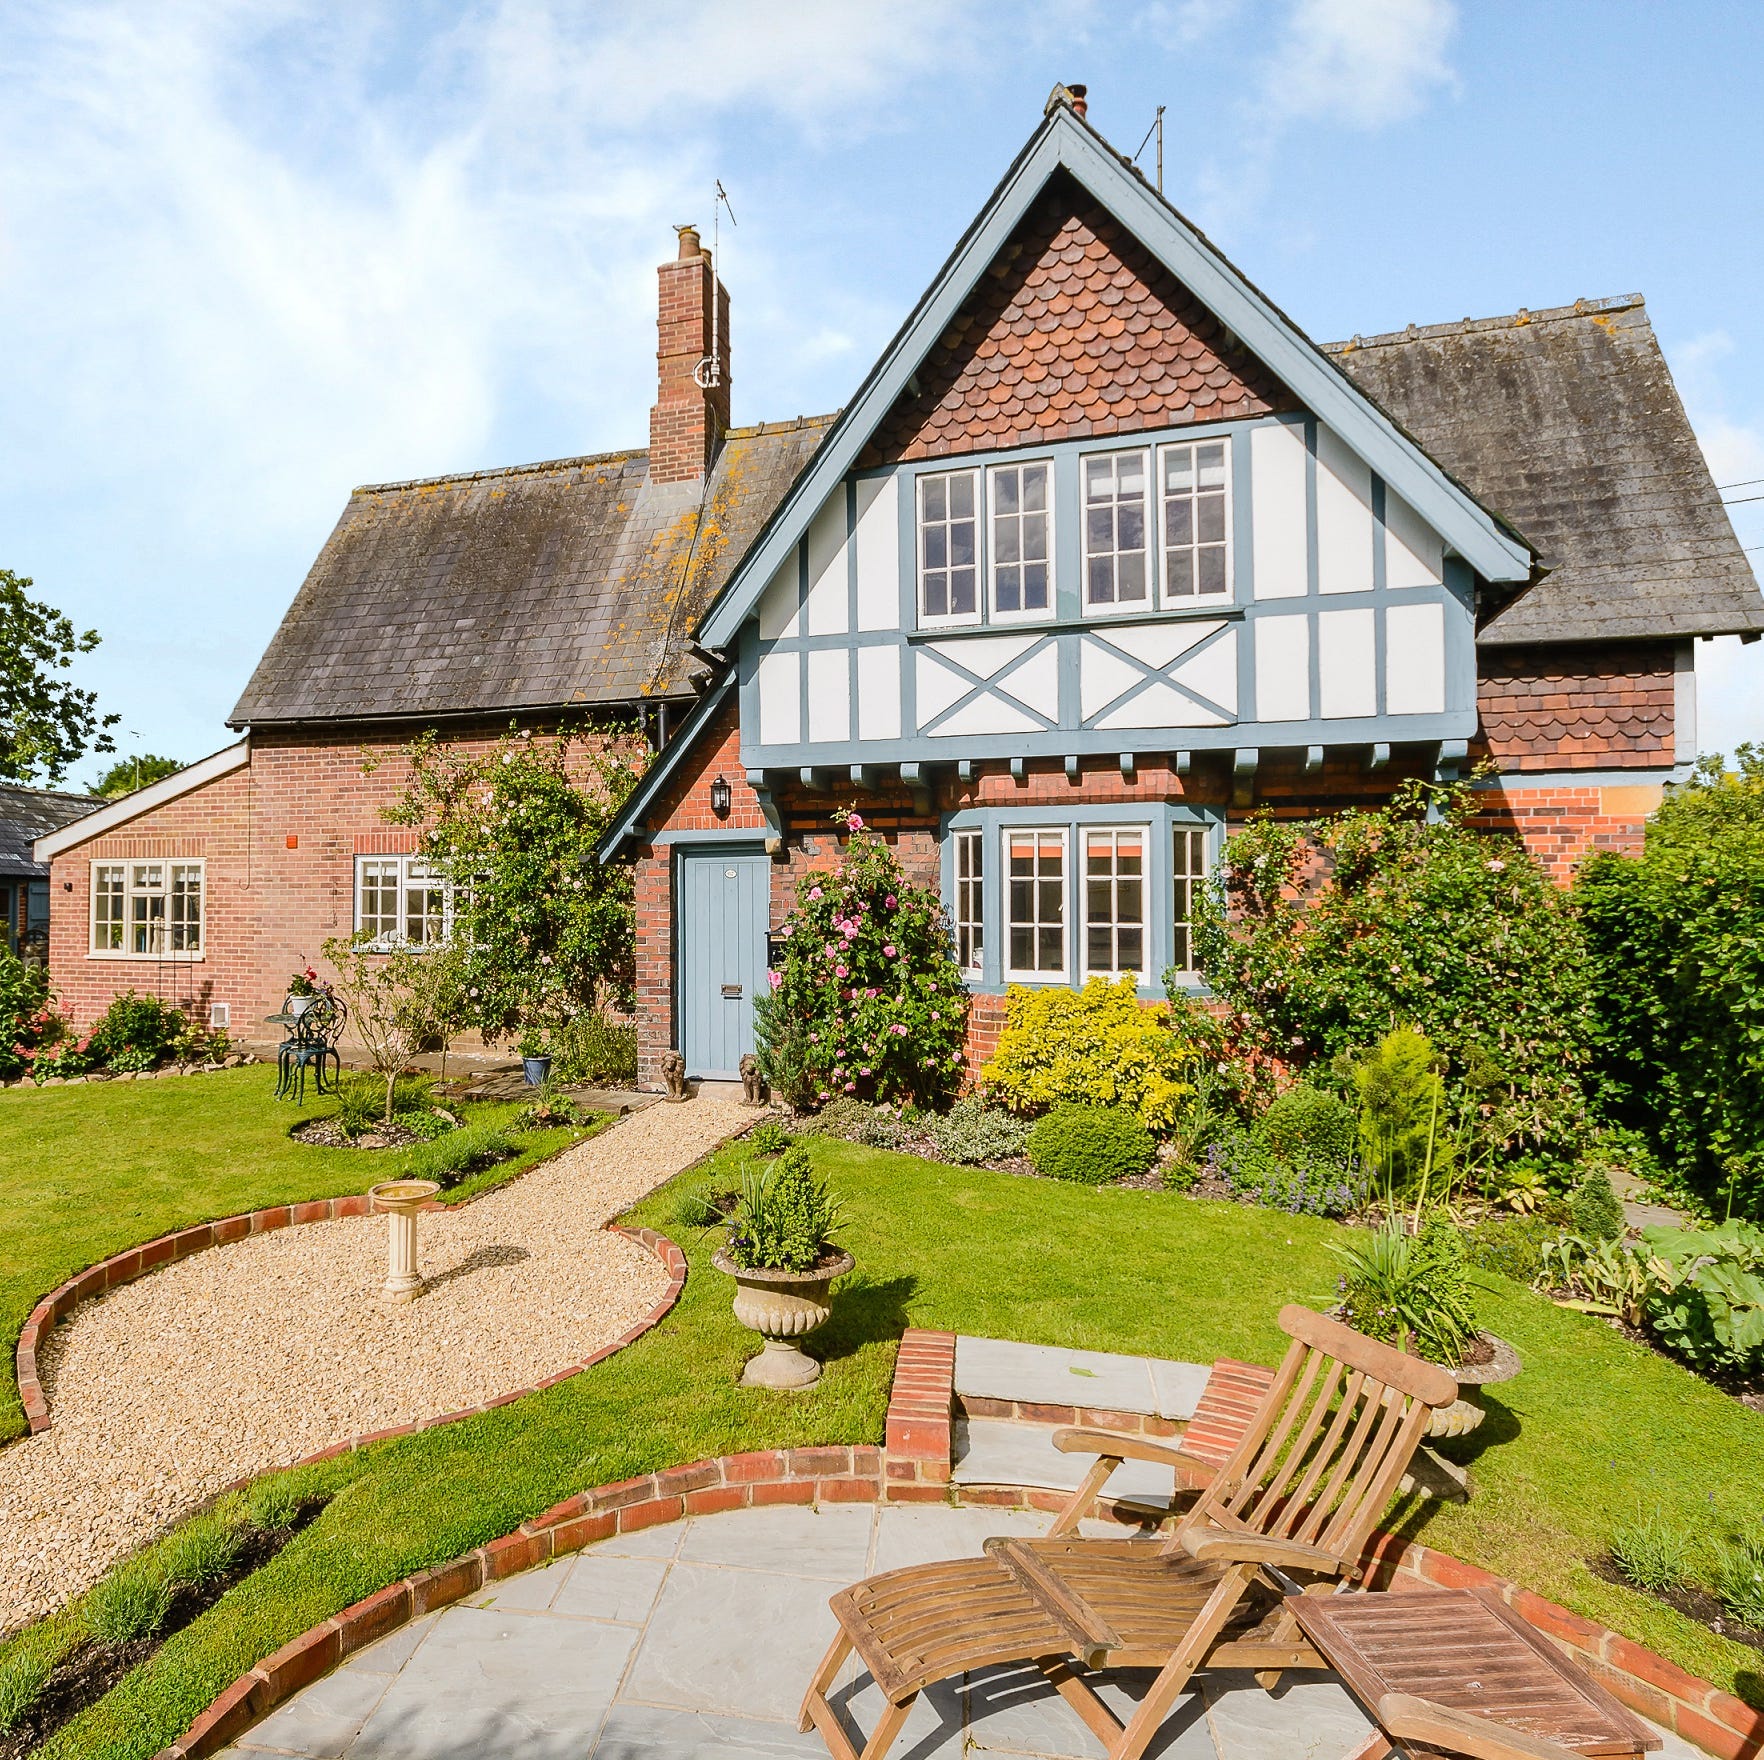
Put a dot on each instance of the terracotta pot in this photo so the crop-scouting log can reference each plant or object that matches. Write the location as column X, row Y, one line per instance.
column 782, row 1306
column 1467, row 1410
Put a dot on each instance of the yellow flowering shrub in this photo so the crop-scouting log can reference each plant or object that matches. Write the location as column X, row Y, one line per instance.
column 1098, row 1046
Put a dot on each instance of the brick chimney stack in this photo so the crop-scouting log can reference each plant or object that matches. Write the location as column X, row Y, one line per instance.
column 690, row 417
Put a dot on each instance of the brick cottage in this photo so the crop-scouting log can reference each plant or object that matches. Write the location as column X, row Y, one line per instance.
column 1102, row 555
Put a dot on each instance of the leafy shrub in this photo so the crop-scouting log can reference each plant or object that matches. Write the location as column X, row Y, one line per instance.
column 972, row 1133
column 769, row 1138
column 361, row 1102
column 855, row 1121
column 425, row 1123
column 591, row 1049
column 1095, row 1046
column 1321, row 934
column 1402, row 1133
column 1308, row 1122
column 130, row 1603
column 1738, row 1579
column 869, row 1001
column 1304, row 1184
column 785, row 1218
column 1705, row 1298
column 549, row 1112
column 1676, row 937
column 24, row 1673
column 1594, row 1207
column 1652, row 1553
column 1091, row 1145
column 1410, row 1290
column 135, row 1032
column 201, row 1552
column 449, row 1159
column 1510, row 1245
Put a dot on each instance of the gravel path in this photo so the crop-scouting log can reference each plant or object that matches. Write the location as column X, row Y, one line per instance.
column 253, row 1355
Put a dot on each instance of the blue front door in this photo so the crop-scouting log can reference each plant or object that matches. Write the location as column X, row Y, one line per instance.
column 725, row 908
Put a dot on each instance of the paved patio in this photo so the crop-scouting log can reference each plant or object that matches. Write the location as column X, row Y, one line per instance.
column 697, row 1639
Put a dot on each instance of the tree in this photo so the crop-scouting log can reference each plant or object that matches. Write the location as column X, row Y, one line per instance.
column 46, row 724
column 545, row 928
column 128, row 774
column 392, row 999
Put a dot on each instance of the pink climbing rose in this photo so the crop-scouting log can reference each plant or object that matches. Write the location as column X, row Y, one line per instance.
column 854, row 821
column 775, row 979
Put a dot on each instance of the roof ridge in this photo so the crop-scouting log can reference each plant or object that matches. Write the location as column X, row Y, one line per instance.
column 1581, row 308
column 753, row 431
column 53, row 794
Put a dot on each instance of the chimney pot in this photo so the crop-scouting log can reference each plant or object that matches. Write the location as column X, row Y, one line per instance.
column 689, row 245
column 1080, row 100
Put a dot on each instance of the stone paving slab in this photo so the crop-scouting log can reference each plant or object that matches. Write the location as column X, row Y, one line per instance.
column 1006, row 1451
column 998, row 1368
column 695, row 1641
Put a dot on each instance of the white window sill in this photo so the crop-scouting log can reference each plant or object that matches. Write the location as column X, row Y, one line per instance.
column 147, row 959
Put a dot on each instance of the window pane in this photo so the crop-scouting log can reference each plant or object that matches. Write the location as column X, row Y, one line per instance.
column 961, row 496
column 936, row 505
column 1035, row 488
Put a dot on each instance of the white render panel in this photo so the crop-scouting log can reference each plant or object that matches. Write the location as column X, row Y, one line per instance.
column 1037, row 682
column 879, row 692
column 985, row 656
column 1413, row 554
column 1102, row 677
column 1159, row 705
column 780, row 608
column 988, row 714
column 1157, row 644
column 878, row 553
column 936, row 687
column 1347, row 663
column 1277, row 476
column 1213, row 672
column 1344, row 517
column 829, row 589
column 829, row 693
column 1283, row 668
column 780, row 699
column 1414, row 660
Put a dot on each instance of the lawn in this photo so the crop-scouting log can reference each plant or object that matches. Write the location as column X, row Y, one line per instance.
column 89, row 1171
column 1593, row 1426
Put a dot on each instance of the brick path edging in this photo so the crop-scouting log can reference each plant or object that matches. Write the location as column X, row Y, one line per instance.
column 169, row 1249
column 920, row 1432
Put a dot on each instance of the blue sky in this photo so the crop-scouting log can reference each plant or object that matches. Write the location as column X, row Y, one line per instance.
column 254, row 252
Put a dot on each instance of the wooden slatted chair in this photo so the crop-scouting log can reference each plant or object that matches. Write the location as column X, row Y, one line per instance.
column 1299, row 1494
column 1225, row 1410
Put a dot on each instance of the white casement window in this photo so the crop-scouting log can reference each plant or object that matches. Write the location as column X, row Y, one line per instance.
column 1116, row 565
column 969, row 914
column 1189, row 870
column 1035, row 876
column 949, row 547
column 149, row 909
column 401, row 902
column 1114, row 901
column 1196, row 496
column 1022, row 540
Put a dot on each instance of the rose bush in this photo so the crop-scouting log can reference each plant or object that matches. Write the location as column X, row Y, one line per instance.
column 868, row 1001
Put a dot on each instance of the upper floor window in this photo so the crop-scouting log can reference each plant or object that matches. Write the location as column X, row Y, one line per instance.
column 1115, row 563
column 949, row 569
column 970, row 903
column 1197, row 546
column 149, row 908
column 1021, row 552
column 400, row 901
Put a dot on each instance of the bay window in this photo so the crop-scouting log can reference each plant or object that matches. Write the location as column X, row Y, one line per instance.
column 1036, row 902
column 1114, row 902
column 969, row 913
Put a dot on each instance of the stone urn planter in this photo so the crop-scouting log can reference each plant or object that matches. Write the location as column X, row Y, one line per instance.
column 1467, row 1410
column 401, row 1199
column 783, row 1307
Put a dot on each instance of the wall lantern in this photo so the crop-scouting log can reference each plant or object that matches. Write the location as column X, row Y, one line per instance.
column 721, row 798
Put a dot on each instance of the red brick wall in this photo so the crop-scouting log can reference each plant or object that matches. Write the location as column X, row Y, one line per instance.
column 268, row 906
column 1561, row 826
column 1583, row 706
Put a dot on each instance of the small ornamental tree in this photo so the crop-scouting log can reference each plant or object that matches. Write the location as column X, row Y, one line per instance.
column 545, row 929
column 391, row 998
column 1677, row 941
column 869, row 1001
column 1326, row 934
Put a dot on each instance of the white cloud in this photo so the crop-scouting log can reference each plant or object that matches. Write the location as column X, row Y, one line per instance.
column 1363, row 63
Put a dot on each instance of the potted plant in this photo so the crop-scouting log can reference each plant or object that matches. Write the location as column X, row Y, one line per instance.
column 535, row 1052
column 304, row 990
column 782, row 1258
column 1414, row 1291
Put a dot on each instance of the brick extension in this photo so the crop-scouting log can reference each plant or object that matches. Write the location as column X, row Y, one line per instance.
column 1695, row 1710
column 125, row 1267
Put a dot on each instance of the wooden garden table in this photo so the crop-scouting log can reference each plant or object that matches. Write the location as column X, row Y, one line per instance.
column 1402, row 1655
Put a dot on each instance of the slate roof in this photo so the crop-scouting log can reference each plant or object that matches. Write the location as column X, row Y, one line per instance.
column 29, row 813
column 572, row 583
column 1567, row 424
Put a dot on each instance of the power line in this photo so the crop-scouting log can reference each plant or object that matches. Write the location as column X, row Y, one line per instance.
column 1739, row 500
column 1747, row 484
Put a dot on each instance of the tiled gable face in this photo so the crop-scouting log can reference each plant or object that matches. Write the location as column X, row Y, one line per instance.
column 1075, row 329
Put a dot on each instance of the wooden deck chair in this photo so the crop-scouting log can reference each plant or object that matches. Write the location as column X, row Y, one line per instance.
column 1225, row 1410
column 1300, row 1494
